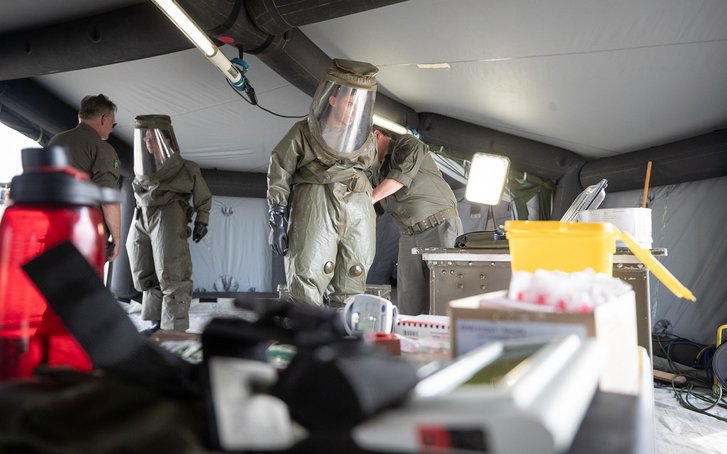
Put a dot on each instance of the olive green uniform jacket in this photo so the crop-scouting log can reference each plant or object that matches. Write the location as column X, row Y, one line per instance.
column 425, row 209
column 332, row 228
column 89, row 154
column 161, row 265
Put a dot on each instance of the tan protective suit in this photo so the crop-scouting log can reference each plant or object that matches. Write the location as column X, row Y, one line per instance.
column 332, row 224
column 161, row 265
column 332, row 235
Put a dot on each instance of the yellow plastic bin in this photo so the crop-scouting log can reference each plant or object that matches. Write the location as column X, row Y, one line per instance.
column 553, row 245
column 571, row 247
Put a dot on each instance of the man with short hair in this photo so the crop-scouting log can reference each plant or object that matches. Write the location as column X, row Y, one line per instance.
column 89, row 152
column 410, row 186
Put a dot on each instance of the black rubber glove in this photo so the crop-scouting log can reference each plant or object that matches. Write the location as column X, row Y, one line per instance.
column 200, row 230
column 279, row 229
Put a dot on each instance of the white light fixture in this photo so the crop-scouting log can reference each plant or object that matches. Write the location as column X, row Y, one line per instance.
column 390, row 125
column 487, row 177
column 200, row 39
column 433, row 65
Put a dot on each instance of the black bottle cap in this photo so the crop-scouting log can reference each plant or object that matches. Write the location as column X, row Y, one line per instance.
column 34, row 158
column 47, row 178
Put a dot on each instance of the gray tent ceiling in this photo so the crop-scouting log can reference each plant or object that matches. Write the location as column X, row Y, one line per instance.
column 571, row 79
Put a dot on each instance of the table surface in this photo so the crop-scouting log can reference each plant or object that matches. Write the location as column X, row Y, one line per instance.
column 622, row 255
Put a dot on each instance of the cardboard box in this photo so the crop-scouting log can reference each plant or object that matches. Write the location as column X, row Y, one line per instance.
column 479, row 319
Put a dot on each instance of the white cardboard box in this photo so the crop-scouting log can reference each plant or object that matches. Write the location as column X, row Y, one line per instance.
column 479, row 319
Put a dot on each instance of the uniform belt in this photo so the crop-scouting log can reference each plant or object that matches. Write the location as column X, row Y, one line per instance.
column 430, row 221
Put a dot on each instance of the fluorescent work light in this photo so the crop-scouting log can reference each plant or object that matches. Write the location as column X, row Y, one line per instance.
column 390, row 125
column 487, row 178
column 200, row 39
column 190, row 29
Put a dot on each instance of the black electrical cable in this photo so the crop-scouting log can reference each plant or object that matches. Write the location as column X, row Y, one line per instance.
column 694, row 381
column 665, row 342
column 688, row 390
column 251, row 90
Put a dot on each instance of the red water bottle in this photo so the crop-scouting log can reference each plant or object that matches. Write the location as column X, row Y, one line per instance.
column 51, row 203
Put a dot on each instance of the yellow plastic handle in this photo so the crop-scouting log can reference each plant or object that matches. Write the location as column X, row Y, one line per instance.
column 719, row 334
column 656, row 267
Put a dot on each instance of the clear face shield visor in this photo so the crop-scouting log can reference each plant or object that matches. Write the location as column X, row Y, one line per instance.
column 153, row 147
column 343, row 116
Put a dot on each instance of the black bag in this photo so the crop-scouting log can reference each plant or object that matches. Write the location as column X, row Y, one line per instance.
column 62, row 411
column 482, row 239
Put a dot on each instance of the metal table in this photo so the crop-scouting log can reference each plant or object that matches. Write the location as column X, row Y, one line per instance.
column 458, row 272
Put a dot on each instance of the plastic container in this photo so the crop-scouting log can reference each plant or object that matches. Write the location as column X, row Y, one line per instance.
column 553, row 245
column 634, row 221
column 52, row 203
column 571, row 247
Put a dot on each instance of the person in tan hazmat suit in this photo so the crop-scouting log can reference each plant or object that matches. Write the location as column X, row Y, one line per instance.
column 318, row 195
column 164, row 182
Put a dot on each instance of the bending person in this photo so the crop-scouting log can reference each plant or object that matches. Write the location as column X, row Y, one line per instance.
column 410, row 186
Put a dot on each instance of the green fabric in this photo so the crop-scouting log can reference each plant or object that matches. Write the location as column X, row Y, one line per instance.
column 67, row 412
column 425, row 192
column 161, row 265
column 331, row 215
column 154, row 121
column 177, row 180
column 328, row 223
column 91, row 155
column 525, row 186
column 412, row 276
column 353, row 73
column 299, row 159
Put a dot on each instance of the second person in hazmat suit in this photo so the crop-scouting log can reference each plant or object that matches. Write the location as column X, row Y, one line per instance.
column 318, row 193
column 164, row 183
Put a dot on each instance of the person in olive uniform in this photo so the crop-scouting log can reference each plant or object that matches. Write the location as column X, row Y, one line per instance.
column 89, row 152
column 317, row 187
column 410, row 186
column 164, row 182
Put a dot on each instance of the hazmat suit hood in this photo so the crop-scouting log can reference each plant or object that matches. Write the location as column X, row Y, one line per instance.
column 341, row 114
column 155, row 145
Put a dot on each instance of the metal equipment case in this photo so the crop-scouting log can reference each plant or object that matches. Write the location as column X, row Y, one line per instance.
column 458, row 272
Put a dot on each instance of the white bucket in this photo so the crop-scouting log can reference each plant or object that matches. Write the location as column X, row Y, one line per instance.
column 634, row 221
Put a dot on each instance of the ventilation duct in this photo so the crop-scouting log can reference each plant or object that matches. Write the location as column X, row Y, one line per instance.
column 692, row 159
column 126, row 34
column 526, row 155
